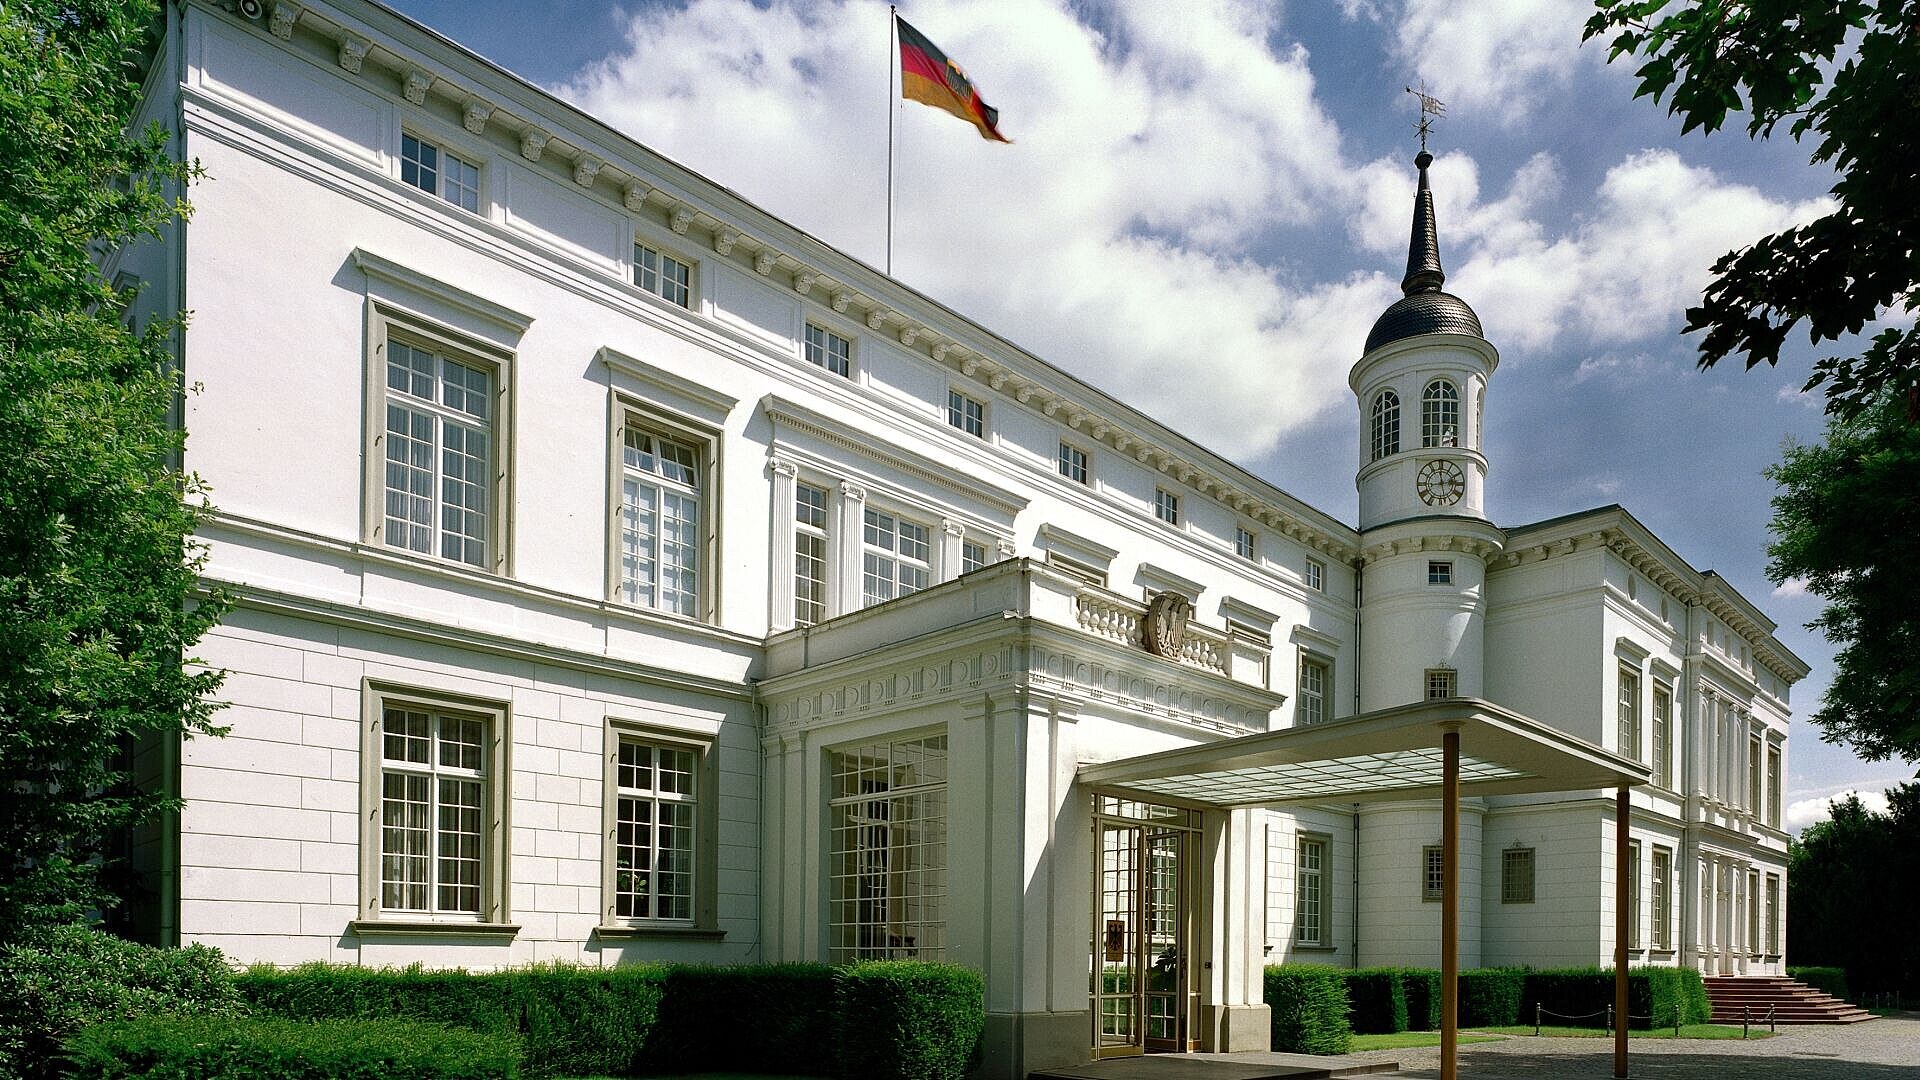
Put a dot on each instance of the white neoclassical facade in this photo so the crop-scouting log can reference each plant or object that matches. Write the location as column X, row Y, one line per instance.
column 620, row 573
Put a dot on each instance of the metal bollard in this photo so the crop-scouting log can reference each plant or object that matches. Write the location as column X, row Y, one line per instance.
column 1746, row 1017
column 1536, row 1018
column 1609, row 1019
column 1676, row 1021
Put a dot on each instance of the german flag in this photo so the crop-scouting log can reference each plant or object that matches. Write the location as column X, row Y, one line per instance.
column 927, row 76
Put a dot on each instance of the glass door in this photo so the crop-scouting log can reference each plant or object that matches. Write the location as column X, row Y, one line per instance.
column 1141, row 987
column 1119, row 954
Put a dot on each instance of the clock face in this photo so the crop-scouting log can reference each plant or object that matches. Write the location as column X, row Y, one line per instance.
column 1440, row 483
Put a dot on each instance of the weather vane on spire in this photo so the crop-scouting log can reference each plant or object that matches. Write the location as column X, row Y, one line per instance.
column 1430, row 108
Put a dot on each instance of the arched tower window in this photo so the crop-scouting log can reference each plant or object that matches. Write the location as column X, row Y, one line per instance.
column 1386, row 424
column 1440, row 414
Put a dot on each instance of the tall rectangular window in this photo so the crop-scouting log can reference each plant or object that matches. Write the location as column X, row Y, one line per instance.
column 1754, row 793
column 809, row 554
column 1442, row 683
column 1662, row 736
column 829, row 350
column 1433, row 872
column 896, row 558
column 1773, row 914
column 1633, row 894
column 1310, row 705
column 1073, row 463
column 1316, row 575
column 659, row 522
column 966, row 414
column 433, row 813
column 1753, row 913
column 1309, row 891
column 439, row 172
column 1166, row 506
column 1244, row 543
column 1627, row 714
column 888, row 866
column 654, row 831
column 439, row 453
column 663, row 275
column 1516, row 876
column 1773, row 786
column 1662, row 898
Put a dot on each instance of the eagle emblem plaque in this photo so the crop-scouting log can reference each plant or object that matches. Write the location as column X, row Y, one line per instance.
column 1164, row 629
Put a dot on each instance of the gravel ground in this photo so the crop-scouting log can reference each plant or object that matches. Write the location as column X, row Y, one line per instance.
column 1883, row 1049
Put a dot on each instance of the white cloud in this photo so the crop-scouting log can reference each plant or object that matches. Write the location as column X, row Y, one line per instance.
column 1495, row 57
column 1801, row 813
column 1111, row 238
column 1792, row 587
column 1613, row 367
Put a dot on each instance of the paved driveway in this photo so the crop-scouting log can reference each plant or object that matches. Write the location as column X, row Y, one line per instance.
column 1884, row 1049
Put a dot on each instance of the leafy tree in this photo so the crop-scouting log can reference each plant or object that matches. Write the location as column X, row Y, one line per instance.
column 1846, row 520
column 98, row 580
column 1846, row 72
column 1850, row 884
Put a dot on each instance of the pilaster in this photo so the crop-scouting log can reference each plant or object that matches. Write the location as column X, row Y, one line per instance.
column 780, row 548
column 849, row 527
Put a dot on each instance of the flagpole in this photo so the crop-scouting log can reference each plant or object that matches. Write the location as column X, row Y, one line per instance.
column 893, row 68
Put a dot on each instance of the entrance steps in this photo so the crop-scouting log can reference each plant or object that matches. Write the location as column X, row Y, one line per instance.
column 1213, row 1067
column 1792, row 1002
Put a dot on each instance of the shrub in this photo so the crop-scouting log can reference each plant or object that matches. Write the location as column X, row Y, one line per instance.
column 57, row 981
column 1490, row 997
column 570, row 1020
column 1377, row 998
column 1309, row 1009
column 1422, row 988
column 1653, row 995
column 1831, row 980
column 772, row 1018
column 206, row 1048
column 907, row 1020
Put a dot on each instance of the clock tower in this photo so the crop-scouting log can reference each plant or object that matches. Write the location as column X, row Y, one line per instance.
column 1420, row 386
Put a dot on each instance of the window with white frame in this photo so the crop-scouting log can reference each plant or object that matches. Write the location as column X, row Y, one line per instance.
column 809, row 554
column 438, row 171
column 1309, row 890
column 966, row 414
column 1633, row 894
column 896, row 558
column 655, row 831
column 1753, row 913
column 1773, row 786
column 1166, row 506
column 1245, row 544
column 1662, row 734
column 1754, row 793
column 1662, row 884
column 1310, row 704
column 659, row 521
column 888, row 862
column 432, row 801
column 1773, row 914
column 1627, row 714
column 1439, row 572
column 1316, row 574
column 1442, row 683
column 1073, row 463
column 1440, row 414
column 663, row 275
column 439, row 482
column 826, row 349
column 973, row 556
column 1516, row 875
column 1433, row 872
column 1386, row 424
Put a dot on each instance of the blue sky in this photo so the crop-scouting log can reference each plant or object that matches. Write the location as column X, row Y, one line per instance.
column 1206, row 204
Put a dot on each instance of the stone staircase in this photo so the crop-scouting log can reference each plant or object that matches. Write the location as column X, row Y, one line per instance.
column 1792, row 1002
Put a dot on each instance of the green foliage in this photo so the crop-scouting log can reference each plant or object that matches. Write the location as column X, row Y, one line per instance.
column 907, row 1020
column 55, row 982
column 1842, row 71
column 1308, row 1004
column 1858, row 869
column 571, row 1020
column 1846, row 519
column 97, row 571
column 1378, row 1000
column 1422, row 987
column 766, row 1018
column 204, row 1048
column 1827, row 980
column 1653, row 994
column 1490, row 997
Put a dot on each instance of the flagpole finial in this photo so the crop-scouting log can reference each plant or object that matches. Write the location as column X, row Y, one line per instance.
column 1431, row 109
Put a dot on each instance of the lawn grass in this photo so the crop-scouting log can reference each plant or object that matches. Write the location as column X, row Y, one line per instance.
column 709, row 1076
column 1687, row 1031
column 1408, row 1039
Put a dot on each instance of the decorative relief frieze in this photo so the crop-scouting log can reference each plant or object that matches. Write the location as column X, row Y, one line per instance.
column 282, row 20
column 533, row 143
column 585, row 168
column 763, row 262
column 635, row 195
column 476, row 116
column 803, row 283
column 876, row 318
column 353, row 51
column 723, row 241
column 682, row 219
column 415, row 85
column 840, row 301
column 908, row 334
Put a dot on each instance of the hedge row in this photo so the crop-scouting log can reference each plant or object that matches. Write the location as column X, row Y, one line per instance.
column 1391, row 1000
column 1831, row 980
column 203, row 1048
column 1656, row 996
column 1308, row 1007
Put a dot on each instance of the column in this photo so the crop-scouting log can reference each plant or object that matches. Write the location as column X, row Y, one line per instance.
column 780, row 550
column 952, row 534
column 1449, row 904
column 1622, row 912
column 849, row 530
column 1703, row 745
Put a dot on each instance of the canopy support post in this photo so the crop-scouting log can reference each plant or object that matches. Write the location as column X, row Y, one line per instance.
column 1622, row 913
column 1450, row 904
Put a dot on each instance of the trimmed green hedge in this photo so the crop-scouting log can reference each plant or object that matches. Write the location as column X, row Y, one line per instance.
column 906, row 1020
column 1653, row 995
column 767, row 1018
column 1377, row 998
column 1308, row 1004
column 1490, row 997
column 1422, row 986
column 209, row 1048
column 56, row 982
column 1831, row 980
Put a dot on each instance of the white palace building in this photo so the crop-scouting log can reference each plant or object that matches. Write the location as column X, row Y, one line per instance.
column 622, row 574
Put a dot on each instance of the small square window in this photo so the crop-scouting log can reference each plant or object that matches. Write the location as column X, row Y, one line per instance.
column 1433, row 880
column 972, row 556
column 438, row 172
column 1073, row 463
column 1441, row 684
column 1439, row 573
column 1166, row 506
column 1245, row 544
column 1316, row 574
column 663, row 275
column 1516, row 876
column 829, row 350
column 966, row 414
